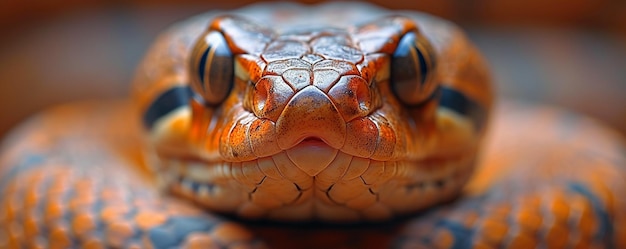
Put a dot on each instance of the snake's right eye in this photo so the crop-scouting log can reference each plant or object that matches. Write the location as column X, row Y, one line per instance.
column 212, row 68
column 412, row 66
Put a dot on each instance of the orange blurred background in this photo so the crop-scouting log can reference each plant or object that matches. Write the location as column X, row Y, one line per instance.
column 570, row 53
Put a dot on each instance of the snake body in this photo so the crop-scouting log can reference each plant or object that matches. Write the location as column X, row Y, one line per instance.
column 355, row 129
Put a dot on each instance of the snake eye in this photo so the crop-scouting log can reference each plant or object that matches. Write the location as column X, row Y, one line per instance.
column 412, row 67
column 212, row 68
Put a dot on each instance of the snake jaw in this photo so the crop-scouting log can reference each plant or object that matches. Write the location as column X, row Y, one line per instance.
column 314, row 181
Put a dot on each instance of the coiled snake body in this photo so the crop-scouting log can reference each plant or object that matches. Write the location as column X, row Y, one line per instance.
column 286, row 126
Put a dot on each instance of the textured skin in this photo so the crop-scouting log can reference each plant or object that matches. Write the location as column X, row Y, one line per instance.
column 260, row 154
column 77, row 176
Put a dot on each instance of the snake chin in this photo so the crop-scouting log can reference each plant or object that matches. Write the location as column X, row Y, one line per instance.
column 324, row 184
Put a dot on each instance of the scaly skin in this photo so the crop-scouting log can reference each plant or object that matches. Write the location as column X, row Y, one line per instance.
column 58, row 192
column 312, row 129
column 81, row 175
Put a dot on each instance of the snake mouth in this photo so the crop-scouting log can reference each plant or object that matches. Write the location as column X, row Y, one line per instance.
column 313, row 181
column 312, row 141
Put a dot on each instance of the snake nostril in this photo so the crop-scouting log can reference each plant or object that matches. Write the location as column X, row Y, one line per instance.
column 363, row 96
column 353, row 97
column 260, row 97
column 270, row 95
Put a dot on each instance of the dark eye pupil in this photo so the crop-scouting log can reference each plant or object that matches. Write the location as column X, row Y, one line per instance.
column 214, row 68
column 410, row 66
column 404, row 59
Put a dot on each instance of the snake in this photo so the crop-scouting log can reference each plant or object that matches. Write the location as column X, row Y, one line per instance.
column 341, row 125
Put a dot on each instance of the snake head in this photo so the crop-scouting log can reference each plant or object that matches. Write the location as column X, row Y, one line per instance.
column 330, row 123
column 326, row 84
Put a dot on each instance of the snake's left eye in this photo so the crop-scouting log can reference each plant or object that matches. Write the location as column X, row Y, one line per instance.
column 212, row 68
column 412, row 66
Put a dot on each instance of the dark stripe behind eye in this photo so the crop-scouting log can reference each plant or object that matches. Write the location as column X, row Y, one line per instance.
column 461, row 104
column 168, row 101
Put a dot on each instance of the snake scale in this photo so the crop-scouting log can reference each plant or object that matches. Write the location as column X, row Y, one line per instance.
column 330, row 126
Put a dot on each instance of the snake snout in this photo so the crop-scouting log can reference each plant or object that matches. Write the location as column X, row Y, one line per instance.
column 310, row 114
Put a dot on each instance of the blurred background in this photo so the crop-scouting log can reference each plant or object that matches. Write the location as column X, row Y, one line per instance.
column 569, row 53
